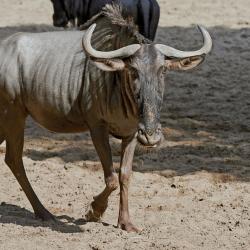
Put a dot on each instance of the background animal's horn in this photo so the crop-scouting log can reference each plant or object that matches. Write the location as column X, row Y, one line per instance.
column 119, row 53
column 172, row 52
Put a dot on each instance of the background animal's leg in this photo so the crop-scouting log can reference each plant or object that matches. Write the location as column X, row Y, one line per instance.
column 153, row 18
column 100, row 139
column 128, row 148
column 1, row 138
column 72, row 23
column 14, row 130
column 143, row 17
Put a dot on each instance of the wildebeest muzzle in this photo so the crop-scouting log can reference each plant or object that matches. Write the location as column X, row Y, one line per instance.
column 149, row 137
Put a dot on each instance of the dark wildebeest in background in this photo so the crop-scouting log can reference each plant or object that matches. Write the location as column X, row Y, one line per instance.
column 67, row 85
column 146, row 13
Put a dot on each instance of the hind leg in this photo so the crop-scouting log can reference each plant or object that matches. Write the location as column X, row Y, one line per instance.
column 14, row 136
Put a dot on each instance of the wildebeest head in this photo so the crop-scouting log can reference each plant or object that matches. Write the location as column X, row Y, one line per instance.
column 145, row 66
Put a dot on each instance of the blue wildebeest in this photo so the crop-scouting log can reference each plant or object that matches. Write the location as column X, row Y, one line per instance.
column 146, row 13
column 107, row 79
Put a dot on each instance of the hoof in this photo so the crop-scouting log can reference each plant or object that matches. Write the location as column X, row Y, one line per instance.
column 92, row 216
column 95, row 211
column 129, row 227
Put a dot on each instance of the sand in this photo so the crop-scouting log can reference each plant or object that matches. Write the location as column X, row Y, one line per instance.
column 193, row 192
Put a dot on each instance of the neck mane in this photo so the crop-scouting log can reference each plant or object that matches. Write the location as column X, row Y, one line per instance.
column 113, row 31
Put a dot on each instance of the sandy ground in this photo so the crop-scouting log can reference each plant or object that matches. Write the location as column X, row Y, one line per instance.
column 191, row 193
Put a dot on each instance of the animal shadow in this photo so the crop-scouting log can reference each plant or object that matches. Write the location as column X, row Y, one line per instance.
column 12, row 214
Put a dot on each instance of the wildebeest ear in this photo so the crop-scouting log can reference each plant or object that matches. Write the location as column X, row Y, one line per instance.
column 184, row 63
column 109, row 64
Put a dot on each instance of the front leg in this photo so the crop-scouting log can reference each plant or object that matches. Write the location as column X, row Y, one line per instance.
column 100, row 137
column 128, row 148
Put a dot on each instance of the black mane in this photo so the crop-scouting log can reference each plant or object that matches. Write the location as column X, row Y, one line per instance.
column 114, row 14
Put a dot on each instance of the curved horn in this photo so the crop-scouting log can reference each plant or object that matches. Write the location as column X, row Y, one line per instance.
column 122, row 52
column 172, row 52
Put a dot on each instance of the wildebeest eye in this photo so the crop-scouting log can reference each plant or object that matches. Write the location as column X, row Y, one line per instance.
column 134, row 74
column 162, row 71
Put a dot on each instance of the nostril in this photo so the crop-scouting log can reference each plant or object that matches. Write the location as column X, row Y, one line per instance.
column 140, row 131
